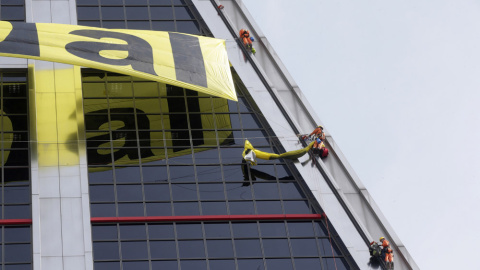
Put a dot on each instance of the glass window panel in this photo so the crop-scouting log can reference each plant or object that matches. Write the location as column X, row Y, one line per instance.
column 283, row 172
column 235, row 122
column 250, row 121
column 193, row 265
column 114, row 24
column 161, row 2
column 26, row 266
column 214, row 208
column 107, row 265
column 111, row 2
column 16, row 105
column 102, row 210
column 137, row 13
column 217, row 230
column 320, row 229
column 17, row 234
column 159, row 192
column 180, row 155
column 17, row 158
column 276, row 248
column 279, row 264
column 136, row 2
column 241, row 208
column 182, row 174
column 300, row 229
column 307, row 263
column 222, row 264
column 159, row 209
column 130, row 209
column 14, row 90
column 163, row 25
column 238, row 191
column 256, row 137
column 100, row 176
column 134, row 250
column 137, row 231
column 250, row 264
column 231, row 155
column 91, row 24
column 220, row 248
column 269, row 207
column 273, row 229
column 335, row 264
column 87, row 2
column 189, row 231
column 191, row 249
column 16, row 175
column 164, row 265
column 163, row 249
column 291, row 191
column 304, row 247
column 178, row 2
column 209, row 173
column 245, row 230
column 12, row 13
column 183, row 13
column 16, row 211
column 15, row 253
column 17, row 194
column 233, row 173
column 207, row 156
column 135, row 265
column 267, row 191
column 104, row 232
column 105, row 251
column 129, row 193
column 102, row 193
column 296, row 207
column 160, row 231
column 211, row 191
column 19, row 120
column 248, row 248
column 155, row 174
column 184, row 192
column 127, row 174
column 112, row 13
column 161, row 13
column 88, row 13
column 327, row 249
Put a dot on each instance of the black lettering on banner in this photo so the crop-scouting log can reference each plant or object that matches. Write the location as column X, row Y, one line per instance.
column 127, row 131
column 23, row 39
column 140, row 53
column 188, row 58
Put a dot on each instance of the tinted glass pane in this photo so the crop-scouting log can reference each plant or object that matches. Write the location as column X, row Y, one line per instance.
column 17, row 234
column 134, row 250
column 11, row 13
column 163, row 249
column 164, row 265
column 189, row 27
column 133, row 231
column 189, row 231
column 244, row 230
column 269, row 207
column 102, row 210
column 183, row 13
column 157, row 192
column 241, row 208
column 191, row 249
column 250, row 264
column 107, row 265
column 248, row 248
column 160, row 231
column 16, row 211
column 163, row 25
column 217, row 230
column 129, row 193
column 88, row 13
column 130, row 209
column 102, row 193
column 220, row 248
column 17, row 194
column 104, row 232
column 273, row 229
column 18, row 253
column 279, row 264
column 137, row 13
column 112, row 13
column 304, row 247
column 307, row 263
column 105, row 251
column 221, row 264
column 161, row 13
column 193, row 265
column 135, row 265
column 276, row 248
column 214, row 208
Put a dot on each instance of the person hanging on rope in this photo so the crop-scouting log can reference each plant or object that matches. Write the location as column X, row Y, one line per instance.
column 247, row 41
column 319, row 137
column 387, row 252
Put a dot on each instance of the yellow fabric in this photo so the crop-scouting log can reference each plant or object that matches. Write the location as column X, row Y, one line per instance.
column 268, row 156
column 54, row 41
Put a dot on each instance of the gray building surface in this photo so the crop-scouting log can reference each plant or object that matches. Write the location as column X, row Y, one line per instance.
column 106, row 171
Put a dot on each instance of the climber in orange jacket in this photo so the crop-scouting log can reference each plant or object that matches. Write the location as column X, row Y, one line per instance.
column 388, row 252
column 245, row 36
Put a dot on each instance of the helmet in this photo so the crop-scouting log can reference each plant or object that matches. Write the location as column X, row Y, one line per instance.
column 320, row 126
column 382, row 238
column 252, row 39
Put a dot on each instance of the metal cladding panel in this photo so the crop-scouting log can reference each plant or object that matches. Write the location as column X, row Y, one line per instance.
column 349, row 190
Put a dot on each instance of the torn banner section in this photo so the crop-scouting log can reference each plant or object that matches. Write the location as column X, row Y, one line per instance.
column 193, row 62
column 250, row 154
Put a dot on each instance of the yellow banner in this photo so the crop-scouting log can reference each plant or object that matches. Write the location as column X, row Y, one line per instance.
column 193, row 62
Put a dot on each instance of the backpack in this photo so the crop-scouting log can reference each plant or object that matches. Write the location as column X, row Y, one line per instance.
column 375, row 250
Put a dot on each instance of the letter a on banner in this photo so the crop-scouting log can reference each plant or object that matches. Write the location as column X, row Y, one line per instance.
column 188, row 61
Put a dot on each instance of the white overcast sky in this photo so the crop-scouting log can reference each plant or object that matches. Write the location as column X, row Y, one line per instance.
column 397, row 84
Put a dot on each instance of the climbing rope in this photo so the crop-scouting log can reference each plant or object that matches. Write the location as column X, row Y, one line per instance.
column 330, row 239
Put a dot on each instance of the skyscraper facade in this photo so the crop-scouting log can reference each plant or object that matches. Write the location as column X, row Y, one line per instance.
column 108, row 171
